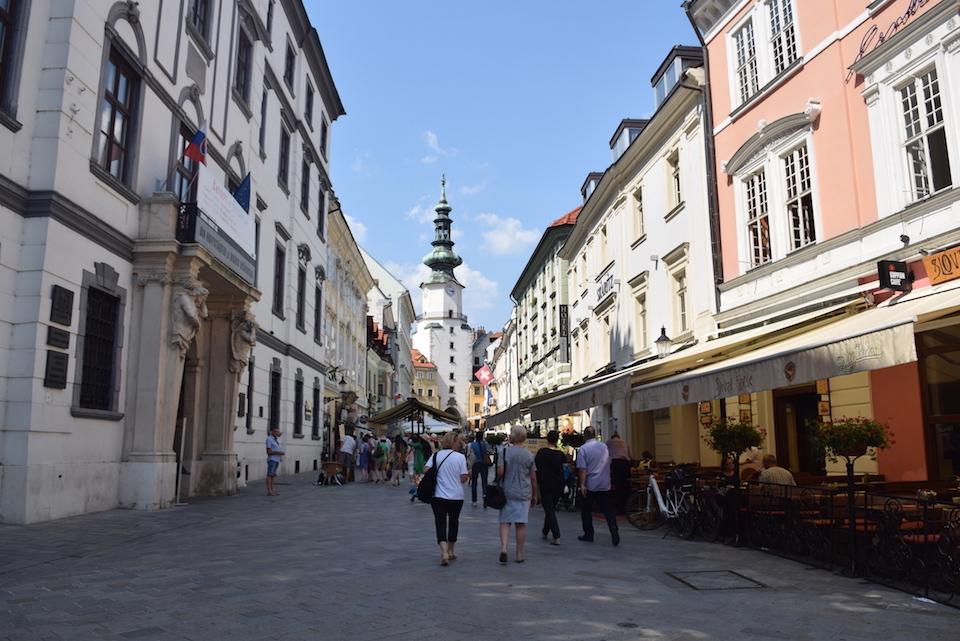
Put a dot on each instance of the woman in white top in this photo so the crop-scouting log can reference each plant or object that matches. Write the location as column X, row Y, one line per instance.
column 448, row 499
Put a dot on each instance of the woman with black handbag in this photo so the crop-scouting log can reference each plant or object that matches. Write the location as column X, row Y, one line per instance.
column 447, row 501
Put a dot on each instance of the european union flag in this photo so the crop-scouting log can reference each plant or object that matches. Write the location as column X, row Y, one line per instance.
column 242, row 194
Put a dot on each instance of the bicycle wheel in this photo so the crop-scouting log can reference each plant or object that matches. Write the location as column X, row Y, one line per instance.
column 637, row 509
column 709, row 520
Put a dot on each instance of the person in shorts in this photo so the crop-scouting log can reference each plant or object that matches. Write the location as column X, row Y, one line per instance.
column 274, row 456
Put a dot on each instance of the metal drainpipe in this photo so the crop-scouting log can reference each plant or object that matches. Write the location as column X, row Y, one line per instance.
column 713, row 199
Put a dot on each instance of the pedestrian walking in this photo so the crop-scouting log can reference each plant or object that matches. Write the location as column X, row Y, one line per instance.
column 363, row 458
column 480, row 468
column 518, row 478
column 398, row 459
column 421, row 451
column 447, row 500
column 348, row 451
column 550, row 462
column 620, row 460
column 274, row 456
column 593, row 466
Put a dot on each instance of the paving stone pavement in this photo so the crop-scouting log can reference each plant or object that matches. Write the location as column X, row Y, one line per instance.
column 360, row 563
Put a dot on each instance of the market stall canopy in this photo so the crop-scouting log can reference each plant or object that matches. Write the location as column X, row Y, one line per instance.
column 874, row 339
column 412, row 408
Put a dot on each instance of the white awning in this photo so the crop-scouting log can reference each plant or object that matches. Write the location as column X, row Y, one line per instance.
column 508, row 415
column 873, row 339
column 616, row 386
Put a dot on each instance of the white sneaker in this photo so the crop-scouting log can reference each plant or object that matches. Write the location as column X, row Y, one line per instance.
column 474, row 504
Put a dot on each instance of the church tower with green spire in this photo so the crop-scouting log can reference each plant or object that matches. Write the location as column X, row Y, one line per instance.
column 442, row 333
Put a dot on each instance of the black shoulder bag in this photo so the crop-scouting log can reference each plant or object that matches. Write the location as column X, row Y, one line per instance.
column 496, row 498
column 428, row 484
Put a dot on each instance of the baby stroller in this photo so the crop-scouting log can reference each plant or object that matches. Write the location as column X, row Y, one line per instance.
column 570, row 496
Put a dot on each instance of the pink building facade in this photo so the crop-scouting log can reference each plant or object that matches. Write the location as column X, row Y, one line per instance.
column 837, row 145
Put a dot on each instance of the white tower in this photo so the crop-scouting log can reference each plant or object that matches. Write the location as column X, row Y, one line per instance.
column 442, row 333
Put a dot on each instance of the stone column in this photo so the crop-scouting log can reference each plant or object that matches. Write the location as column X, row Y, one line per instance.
column 167, row 306
column 230, row 337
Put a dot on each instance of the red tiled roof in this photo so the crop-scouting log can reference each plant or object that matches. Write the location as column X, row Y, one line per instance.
column 419, row 360
column 568, row 218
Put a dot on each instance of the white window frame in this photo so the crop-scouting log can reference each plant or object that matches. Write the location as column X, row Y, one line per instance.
column 636, row 201
column 760, row 17
column 772, row 162
column 641, row 341
column 914, row 193
column 674, row 180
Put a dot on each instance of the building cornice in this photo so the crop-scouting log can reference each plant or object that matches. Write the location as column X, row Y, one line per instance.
column 309, row 41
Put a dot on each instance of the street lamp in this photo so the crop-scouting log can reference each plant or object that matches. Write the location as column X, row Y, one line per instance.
column 664, row 343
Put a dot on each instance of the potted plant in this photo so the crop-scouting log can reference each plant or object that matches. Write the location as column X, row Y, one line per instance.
column 730, row 437
column 495, row 439
column 850, row 438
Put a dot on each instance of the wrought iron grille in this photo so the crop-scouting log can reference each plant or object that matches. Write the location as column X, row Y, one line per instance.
column 99, row 342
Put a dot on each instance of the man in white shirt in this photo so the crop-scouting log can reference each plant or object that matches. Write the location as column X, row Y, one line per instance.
column 593, row 467
column 274, row 456
column 347, row 451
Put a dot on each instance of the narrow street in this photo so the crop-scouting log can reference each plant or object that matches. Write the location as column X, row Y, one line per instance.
column 359, row 562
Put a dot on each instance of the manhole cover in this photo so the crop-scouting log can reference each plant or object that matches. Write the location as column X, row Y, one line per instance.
column 716, row 580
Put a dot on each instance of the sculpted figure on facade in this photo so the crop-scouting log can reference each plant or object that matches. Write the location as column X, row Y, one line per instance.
column 189, row 308
column 243, row 336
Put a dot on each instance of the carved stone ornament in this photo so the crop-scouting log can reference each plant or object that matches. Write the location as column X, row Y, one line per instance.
column 145, row 278
column 189, row 308
column 133, row 12
column 303, row 253
column 243, row 336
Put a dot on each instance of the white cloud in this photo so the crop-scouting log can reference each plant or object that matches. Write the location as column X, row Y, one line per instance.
column 420, row 212
column 432, row 141
column 505, row 235
column 469, row 190
column 360, row 161
column 359, row 229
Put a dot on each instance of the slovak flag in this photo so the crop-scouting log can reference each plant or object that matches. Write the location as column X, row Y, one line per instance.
column 197, row 149
column 484, row 375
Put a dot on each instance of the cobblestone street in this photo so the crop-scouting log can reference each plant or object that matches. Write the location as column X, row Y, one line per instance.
column 359, row 562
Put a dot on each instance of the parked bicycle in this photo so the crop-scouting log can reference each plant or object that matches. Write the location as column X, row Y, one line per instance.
column 682, row 507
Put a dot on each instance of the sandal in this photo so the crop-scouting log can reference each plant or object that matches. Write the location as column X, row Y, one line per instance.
column 503, row 557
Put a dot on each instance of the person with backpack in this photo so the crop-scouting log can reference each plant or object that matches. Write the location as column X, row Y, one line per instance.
column 480, row 462
column 447, row 501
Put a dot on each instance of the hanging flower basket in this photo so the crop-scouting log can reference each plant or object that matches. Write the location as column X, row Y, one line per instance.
column 852, row 437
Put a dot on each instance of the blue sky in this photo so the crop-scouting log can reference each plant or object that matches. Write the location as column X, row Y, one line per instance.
column 514, row 101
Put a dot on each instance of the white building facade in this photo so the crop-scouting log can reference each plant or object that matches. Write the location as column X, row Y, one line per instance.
column 639, row 258
column 442, row 333
column 125, row 328
column 404, row 316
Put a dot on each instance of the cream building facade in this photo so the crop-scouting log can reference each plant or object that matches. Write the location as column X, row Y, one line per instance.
column 118, row 302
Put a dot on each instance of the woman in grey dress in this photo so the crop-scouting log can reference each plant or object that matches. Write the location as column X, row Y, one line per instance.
column 518, row 478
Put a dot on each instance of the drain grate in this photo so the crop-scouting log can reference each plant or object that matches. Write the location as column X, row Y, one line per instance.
column 716, row 580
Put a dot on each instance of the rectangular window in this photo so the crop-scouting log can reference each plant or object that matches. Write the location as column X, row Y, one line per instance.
column 279, row 269
column 99, row 343
column 640, row 340
column 185, row 169
column 926, row 136
column 301, row 299
column 283, row 163
column 604, row 247
column 263, row 122
column 451, row 330
column 317, row 312
column 476, row 408
column 451, row 345
column 451, row 359
column 452, row 390
column 241, row 81
column 758, row 221
column 430, row 393
column 680, row 291
column 308, row 106
column 323, row 137
column 274, row 400
column 270, row 17
column 322, row 206
column 289, row 63
column 638, row 222
column 673, row 164
column 298, row 408
column 315, row 426
column 8, row 12
column 746, row 58
column 199, row 15
column 799, row 197
column 783, row 34
column 451, row 376
column 118, row 113
column 305, row 186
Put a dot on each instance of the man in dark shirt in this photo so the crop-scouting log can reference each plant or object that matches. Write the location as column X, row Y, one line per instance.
column 550, row 462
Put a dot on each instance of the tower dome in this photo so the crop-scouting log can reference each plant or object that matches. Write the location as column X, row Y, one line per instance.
column 442, row 260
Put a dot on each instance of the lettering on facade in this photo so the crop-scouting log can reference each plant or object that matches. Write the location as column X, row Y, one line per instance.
column 733, row 385
column 874, row 37
column 564, row 322
column 856, row 351
column 605, row 288
column 943, row 266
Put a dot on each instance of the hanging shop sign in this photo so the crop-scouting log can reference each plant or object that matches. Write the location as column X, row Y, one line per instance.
column 894, row 275
column 564, row 322
column 943, row 266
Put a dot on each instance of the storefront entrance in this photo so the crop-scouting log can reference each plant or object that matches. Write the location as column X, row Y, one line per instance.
column 797, row 448
column 939, row 352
